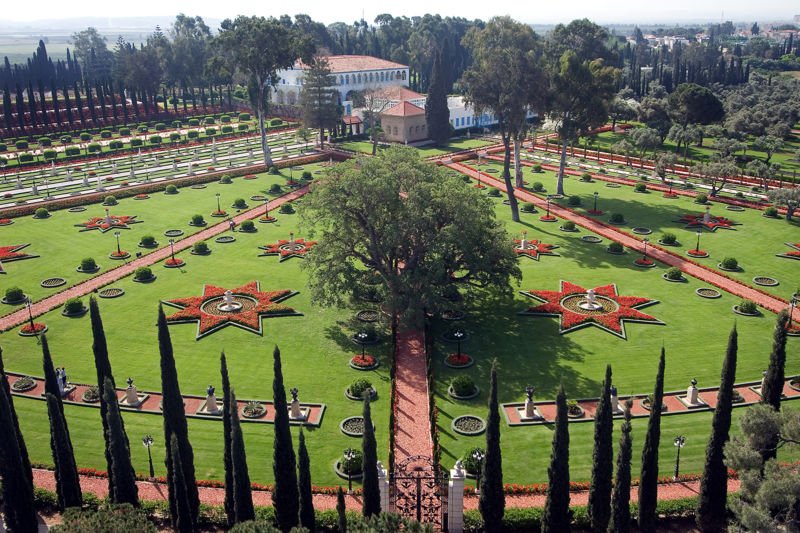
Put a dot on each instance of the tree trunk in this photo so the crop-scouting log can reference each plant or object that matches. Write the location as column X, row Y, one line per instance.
column 562, row 163
column 517, row 165
column 512, row 200
column 261, row 111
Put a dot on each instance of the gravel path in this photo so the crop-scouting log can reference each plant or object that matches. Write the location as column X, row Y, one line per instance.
column 412, row 431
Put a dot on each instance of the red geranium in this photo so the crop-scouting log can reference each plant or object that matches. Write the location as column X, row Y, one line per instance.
column 38, row 327
column 363, row 361
column 457, row 359
column 174, row 262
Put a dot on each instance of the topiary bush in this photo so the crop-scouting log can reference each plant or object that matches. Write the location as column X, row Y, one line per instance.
column 174, row 136
column 701, row 198
column 358, row 387
column 171, row 189
column 617, row 218
column 674, row 274
column 668, row 238
column 463, row 386
column 615, row 248
column 307, row 175
column 49, row 155
column 244, row 116
column 194, row 122
column 640, row 187
column 538, row 186
column 200, row 248
column 73, row 306
column 568, row 226
column 42, row 212
column 286, row 209
column 470, row 463
column 242, row 127
column 227, row 129
column 72, row 151
column 275, row 122
column 148, row 241
column 136, row 143
column 124, row 132
column 160, row 126
column 771, row 212
column 273, row 170
column 247, row 226
column 730, row 263
column 110, row 200
column 143, row 274
column 528, row 208
column 352, row 465
column 275, row 188
column 115, row 145
column 85, row 137
column 748, row 307
column 21, row 145
column 226, row 180
column 14, row 294
column 94, row 148
column 586, row 177
column 155, row 139
column 45, row 141
column 239, row 203
column 494, row 193
column 198, row 220
column 192, row 134
column 88, row 264
column 574, row 201
column 25, row 157
column 537, row 168
column 210, row 132
column 105, row 134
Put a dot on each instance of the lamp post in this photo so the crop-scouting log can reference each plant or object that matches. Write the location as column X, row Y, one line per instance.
column 792, row 304
column 547, row 215
column 697, row 244
column 478, row 456
column 266, row 208
column 596, row 194
column 172, row 249
column 30, row 313
column 644, row 255
column 117, row 234
column 147, row 441
column 361, row 337
column 349, row 455
column 219, row 209
column 458, row 335
column 679, row 442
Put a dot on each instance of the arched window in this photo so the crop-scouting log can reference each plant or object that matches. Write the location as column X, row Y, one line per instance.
column 347, row 79
column 382, row 76
column 404, row 74
column 392, row 75
column 398, row 74
column 341, row 80
column 395, row 130
column 359, row 77
column 370, row 77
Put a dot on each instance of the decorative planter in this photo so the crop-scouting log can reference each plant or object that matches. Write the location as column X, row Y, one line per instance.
column 52, row 283
column 735, row 208
column 591, row 239
column 219, row 214
column 253, row 230
column 148, row 246
column 267, row 220
column 737, row 269
column 200, row 225
column 575, row 412
column 174, row 263
column 766, row 281
column 662, row 243
column 77, row 209
column 207, row 252
column 644, row 263
column 469, row 425
column 224, row 239
column 474, row 394
column 450, row 363
column 90, row 395
column 92, row 271
column 706, row 292
column 642, row 231
column 795, row 384
column 173, row 233
column 254, row 410
column 365, row 367
column 738, row 312
column 546, row 218
column 352, row 426
column 337, row 467
column 78, row 314
column 573, row 230
column 698, row 254
column 119, row 257
column 368, row 315
column 145, row 280
column 112, row 292
column 23, row 384
column 646, row 404
column 38, row 328
column 679, row 280
column 14, row 302
column 447, row 337
column 372, row 396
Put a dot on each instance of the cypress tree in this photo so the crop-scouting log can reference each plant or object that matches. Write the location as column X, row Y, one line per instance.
column 17, row 491
column 371, row 503
column 23, row 449
column 437, row 114
column 307, row 518
column 124, row 489
column 557, row 516
column 183, row 520
column 68, row 488
column 54, row 93
column 175, row 427
column 285, row 498
column 341, row 510
column 226, row 434
column 621, row 508
column 602, row 460
column 103, row 366
column 648, row 480
column 492, row 503
column 711, row 509
column 773, row 381
column 242, row 492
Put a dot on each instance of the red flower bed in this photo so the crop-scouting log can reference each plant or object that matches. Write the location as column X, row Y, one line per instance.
column 457, row 359
column 38, row 327
column 121, row 253
column 219, row 213
column 287, row 249
column 548, row 218
column 142, row 196
column 106, row 223
column 5, row 221
column 697, row 253
column 595, row 212
column 644, row 262
column 363, row 361
column 176, row 262
column 8, row 195
column 250, row 177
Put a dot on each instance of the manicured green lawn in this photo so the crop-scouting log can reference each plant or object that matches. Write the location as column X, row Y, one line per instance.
column 455, row 145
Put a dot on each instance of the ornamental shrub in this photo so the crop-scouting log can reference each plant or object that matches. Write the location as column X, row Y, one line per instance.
column 668, row 238
column 537, row 167
column 617, row 218
column 528, row 208
column 14, row 294
column 771, row 212
column 463, row 386
column 275, row 188
column 307, row 175
column 574, row 201
column 3, row 147
column 142, row 129
column 210, row 120
column 640, row 187
column 286, row 209
column 352, row 465
column 71, row 151
column 85, row 137
column 160, row 126
column 568, row 225
column 174, row 136
column 468, row 461
column 358, row 387
column 494, row 193
column 198, row 220
column 730, row 263
column 21, row 145
column 50, row 155
column 42, row 212
column 176, row 124
column 110, row 200
column 226, row 179
column 193, row 134
column 615, row 247
column 25, row 157
column 115, row 145
column 586, row 177
column 674, row 274
column 194, row 122
column 45, row 141
column 538, row 186
column 247, row 225
column 227, row 129
column 200, row 248
column 143, row 273
column 105, row 134
column 73, row 306
column 748, row 306
column 242, row 127
column 739, row 195
column 148, row 240
column 701, row 198
column 275, row 122
column 244, row 116
column 273, row 170
column 239, row 203
column 225, row 119
column 124, row 132
column 211, row 131
column 136, row 142
column 88, row 264
column 171, row 189
column 155, row 139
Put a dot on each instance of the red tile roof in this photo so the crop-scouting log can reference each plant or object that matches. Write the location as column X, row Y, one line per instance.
column 404, row 109
column 350, row 119
column 357, row 63
column 398, row 94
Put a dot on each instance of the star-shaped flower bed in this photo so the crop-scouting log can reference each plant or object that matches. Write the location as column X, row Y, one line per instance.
column 533, row 248
column 714, row 222
column 12, row 253
column 612, row 312
column 110, row 222
column 249, row 305
column 288, row 249
column 793, row 254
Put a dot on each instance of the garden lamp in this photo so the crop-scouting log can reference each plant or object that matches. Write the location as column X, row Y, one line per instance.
column 679, row 442
column 458, row 335
column 147, row 441
column 697, row 245
column 219, row 209
column 478, row 456
column 596, row 194
column 361, row 337
column 645, row 241
column 117, row 234
column 349, row 455
column 30, row 313
column 172, row 249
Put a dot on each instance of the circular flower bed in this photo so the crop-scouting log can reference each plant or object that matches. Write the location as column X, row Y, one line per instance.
column 143, row 275
column 221, row 213
column 91, row 395
column 198, row 186
column 735, row 208
column 122, row 254
column 469, row 425
column 463, row 388
column 765, row 281
column 23, row 384
column 547, row 218
column 352, row 426
column 254, row 410
column 592, row 239
column 83, row 270
column 613, row 185
column 453, row 314
column 615, row 248
column 77, row 209
column 258, row 198
column 224, row 239
column 173, row 233
column 674, row 275
column 27, row 331
column 644, row 263
column 700, row 254
column 112, row 292
column 176, row 262
column 455, row 360
column 267, row 219
column 449, row 336
column 706, row 292
column 746, row 308
column 642, row 231
column 795, row 384
column 141, row 197
column 368, row 315
column 364, row 362
column 574, row 410
column 646, row 404
column 74, row 308
column 51, row 283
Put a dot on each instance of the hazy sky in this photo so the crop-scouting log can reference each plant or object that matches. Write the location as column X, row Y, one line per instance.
column 537, row 11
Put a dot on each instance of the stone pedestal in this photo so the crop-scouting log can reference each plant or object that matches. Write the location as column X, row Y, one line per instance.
column 69, row 174
column 174, row 165
column 132, row 398
column 615, row 408
column 211, row 406
column 692, row 399
column 35, row 190
column 455, row 499
column 214, row 158
column 529, row 412
column 296, row 412
column 383, row 487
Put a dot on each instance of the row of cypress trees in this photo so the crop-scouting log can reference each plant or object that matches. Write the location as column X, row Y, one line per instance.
column 609, row 503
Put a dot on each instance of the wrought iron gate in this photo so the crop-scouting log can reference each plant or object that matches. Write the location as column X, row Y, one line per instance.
column 418, row 490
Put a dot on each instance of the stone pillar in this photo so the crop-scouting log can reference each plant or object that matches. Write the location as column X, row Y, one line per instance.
column 131, row 396
column 614, row 400
column 455, row 499
column 691, row 393
column 383, row 486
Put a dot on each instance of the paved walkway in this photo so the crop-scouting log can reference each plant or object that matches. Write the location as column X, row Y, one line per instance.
column 49, row 303
column 769, row 302
column 412, row 427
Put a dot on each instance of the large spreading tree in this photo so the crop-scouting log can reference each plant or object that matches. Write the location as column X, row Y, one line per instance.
column 507, row 80
column 423, row 230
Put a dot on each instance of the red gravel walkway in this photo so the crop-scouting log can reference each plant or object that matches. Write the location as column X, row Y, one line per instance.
column 51, row 302
column 766, row 301
column 412, row 431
